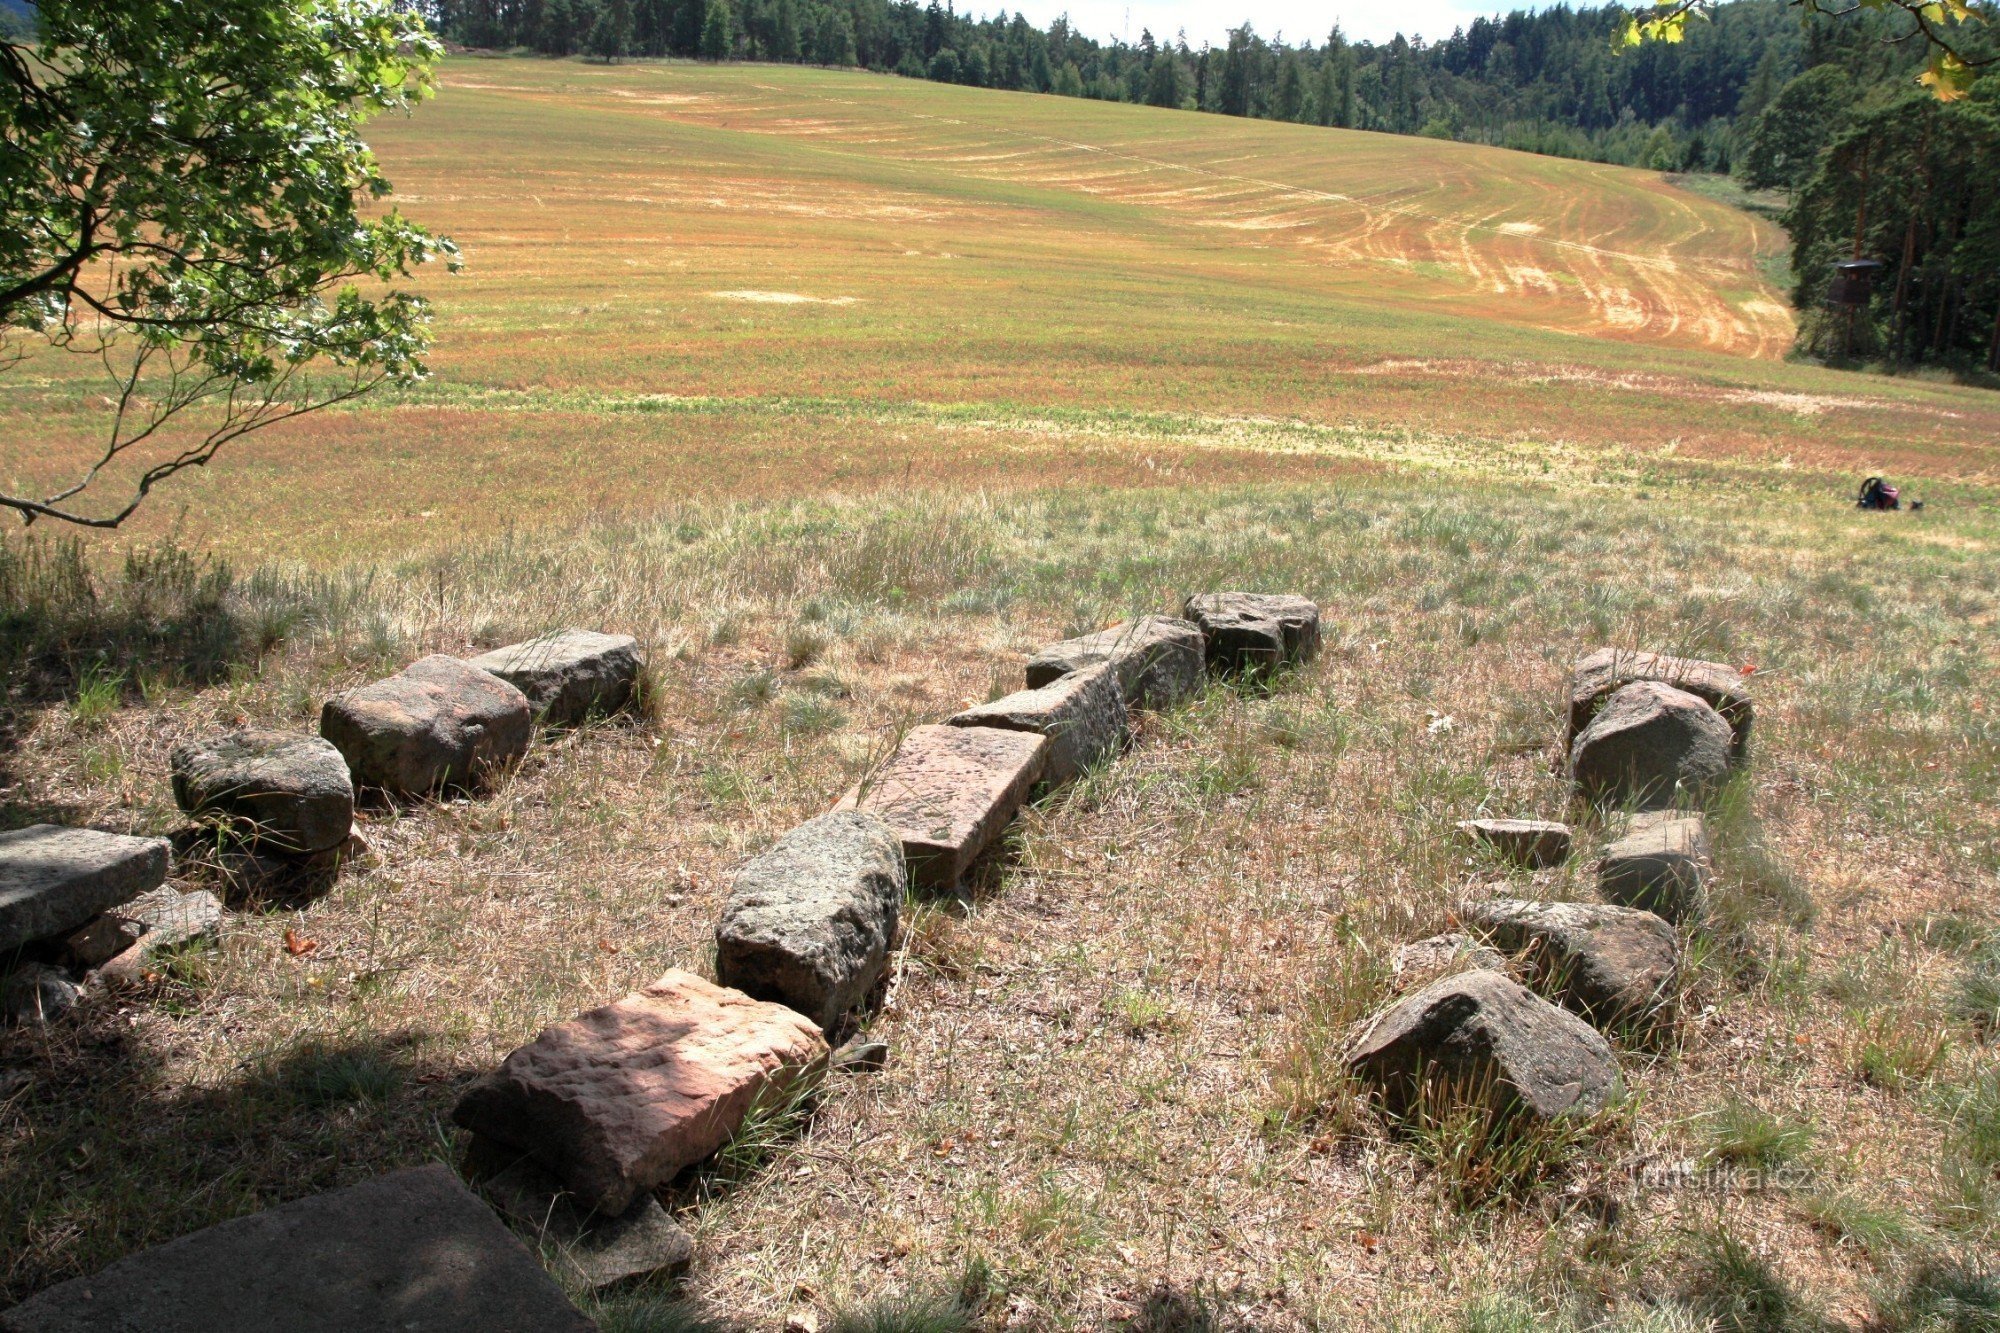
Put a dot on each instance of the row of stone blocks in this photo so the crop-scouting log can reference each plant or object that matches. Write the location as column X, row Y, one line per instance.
column 80, row 901
column 1646, row 731
column 575, row 1130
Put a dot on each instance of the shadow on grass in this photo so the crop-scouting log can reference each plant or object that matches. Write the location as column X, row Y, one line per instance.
column 105, row 1149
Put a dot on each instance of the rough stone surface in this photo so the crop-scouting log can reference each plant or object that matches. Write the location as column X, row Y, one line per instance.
column 1251, row 629
column 948, row 792
column 53, row 879
column 270, row 789
column 36, row 993
column 1660, row 865
column 1536, row 843
column 595, row 1251
column 809, row 921
column 440, row 722
column 1424, row 961
column 1608, row 670
column 163, row 918
column 1651, row 746
column 412, row 1252
column 570, row 675
column 1158, row 660
column 1083, row 715
column 1480, row 1035
column 1610, row 964
column 616, row 1101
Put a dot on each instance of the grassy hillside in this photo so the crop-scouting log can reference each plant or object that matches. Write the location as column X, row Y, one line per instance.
column 844, row 394
column 752, row 280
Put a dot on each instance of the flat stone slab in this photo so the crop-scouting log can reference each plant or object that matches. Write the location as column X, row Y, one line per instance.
column 618, row 1100
column 163, row 917
column 412, row 1252
column 809, row 921
column 1082, row 714
column 1608, row 670
column 1479, row 1037
column 1246, row 630
column 1535, row 843
column 440, row 722
column 948, row 792
column 1651, row 747
column 1424, row 961
column 54, row 879
column 1610, row 964
column 1660, row 865
column 36, row 993
column 570, row 675
column 592, row 1250
column 271, row 790
column 1158, row 660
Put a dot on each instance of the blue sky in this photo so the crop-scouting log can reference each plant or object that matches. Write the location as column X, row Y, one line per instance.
column 1297, row 19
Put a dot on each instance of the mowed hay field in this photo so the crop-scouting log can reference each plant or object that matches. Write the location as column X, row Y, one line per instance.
column 846, row 393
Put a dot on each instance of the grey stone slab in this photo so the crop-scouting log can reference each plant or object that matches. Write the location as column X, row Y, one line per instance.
column 1535, row 843
column 1660, row 865
column 1478, row 1037
column 270, row 790
column 1610, row 964
column 1604, row 672
column 950, row 792
column 1158, row 660
column 570, row 675
column 54, row 879
column 1083, row 715
column 809, row 921
column 1247, row 630
column 412, row 1252
column 592, row 1249
column 1651, row 747
column 439, row 722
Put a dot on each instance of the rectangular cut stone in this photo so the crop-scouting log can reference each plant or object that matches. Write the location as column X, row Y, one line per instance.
column 809, row 922
column 54, row 879
column 409, row 1251
column 1083, row 715
column 1608, row 670
column 1660, row 865
column 1255, row 631
column 1158, row 660
column 618, row 1100
column 570, row 675
column 949, row 792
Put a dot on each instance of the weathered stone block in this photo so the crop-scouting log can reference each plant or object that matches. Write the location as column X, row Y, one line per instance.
column 948, row 792
column 1611, row 964
column 163, row 919
column 810, row 920
column 269, row 789
column 594, row 1250
column 1651, row 747
column 1604, row 672
column 53, row 879
column 618, row 1100
column 1535, row 843
column 1424, row 961
column 1246, row 630
column 440, row 722
column 1660, row 865
column 571, row 675
column 1479, row 1035
column 1158, row 660
column 403, row 1252
column 1082, row 714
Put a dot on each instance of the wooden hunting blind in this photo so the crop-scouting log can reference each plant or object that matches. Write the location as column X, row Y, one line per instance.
column 1853, row 279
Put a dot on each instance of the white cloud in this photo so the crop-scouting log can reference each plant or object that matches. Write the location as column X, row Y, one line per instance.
column 1210, row 20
